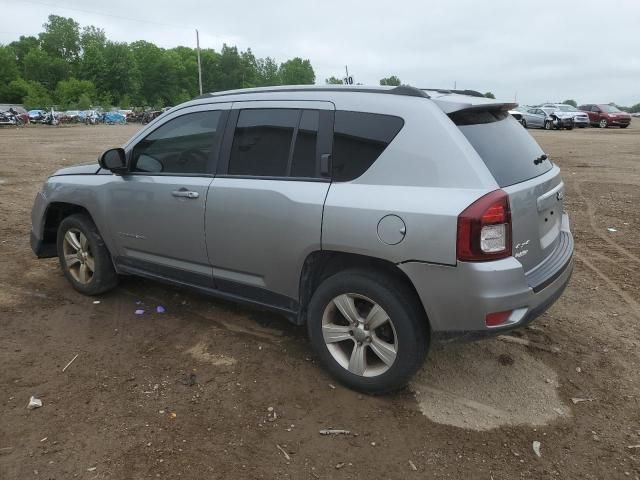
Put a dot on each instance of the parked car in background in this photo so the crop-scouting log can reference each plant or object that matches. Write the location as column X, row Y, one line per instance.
column 547, row 118
column 603, row 115
column 580, row 118
column 91, row 117
column 112, row 118
column 71, row 116
column 322, row 204
column 518, row 113
column 37, row 115
column 13, row 115
column 635, row 114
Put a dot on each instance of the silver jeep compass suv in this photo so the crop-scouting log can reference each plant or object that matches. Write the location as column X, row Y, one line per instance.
column 382, row 218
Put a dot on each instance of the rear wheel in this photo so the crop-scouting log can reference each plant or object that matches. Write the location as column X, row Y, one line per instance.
column 84, row 257
column 369, row 330
column 603, row 123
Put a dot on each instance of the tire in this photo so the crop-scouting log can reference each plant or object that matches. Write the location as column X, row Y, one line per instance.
column 524, row 123
column 569, row 128
column 548, row 125
column 404, row 332
column 624, row 126
column 84, row 257
column 603, row 123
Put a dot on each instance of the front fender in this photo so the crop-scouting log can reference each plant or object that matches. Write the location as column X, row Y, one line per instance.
column 83, row 192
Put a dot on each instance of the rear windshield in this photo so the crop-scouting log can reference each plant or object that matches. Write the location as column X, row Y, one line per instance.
column 506, row 148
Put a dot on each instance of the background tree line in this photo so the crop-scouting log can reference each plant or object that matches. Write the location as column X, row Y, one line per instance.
column 75, row 67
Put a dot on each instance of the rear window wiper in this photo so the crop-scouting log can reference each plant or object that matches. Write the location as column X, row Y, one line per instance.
column 540, row 159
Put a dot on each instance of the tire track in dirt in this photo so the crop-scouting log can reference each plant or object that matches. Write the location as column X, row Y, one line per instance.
column 609, row 259
column 594, row 227
column 635, row 307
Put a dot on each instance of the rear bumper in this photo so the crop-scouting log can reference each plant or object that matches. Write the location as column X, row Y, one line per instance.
column 458, row 299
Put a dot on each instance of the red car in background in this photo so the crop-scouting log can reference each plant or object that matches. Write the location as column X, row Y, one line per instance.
column 603, row 115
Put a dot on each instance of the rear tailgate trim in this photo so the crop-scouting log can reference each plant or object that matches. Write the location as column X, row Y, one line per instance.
column 553, row 266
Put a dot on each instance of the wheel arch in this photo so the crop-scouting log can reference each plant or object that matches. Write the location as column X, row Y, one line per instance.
column 321, row 264
column 53, row 216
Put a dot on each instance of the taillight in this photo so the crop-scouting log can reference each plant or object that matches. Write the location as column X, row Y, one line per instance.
column 484, row 229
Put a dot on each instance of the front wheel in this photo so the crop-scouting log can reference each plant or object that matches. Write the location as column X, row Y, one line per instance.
column 369, row 330
column 548, row 125
column 524, row 123
column 603, row 123
column 84, row 257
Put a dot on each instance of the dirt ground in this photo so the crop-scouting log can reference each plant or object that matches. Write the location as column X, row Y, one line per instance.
column 186, row 393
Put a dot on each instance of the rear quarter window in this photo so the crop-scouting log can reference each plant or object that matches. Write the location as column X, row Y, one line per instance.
column 358, row 140
column 506, row 148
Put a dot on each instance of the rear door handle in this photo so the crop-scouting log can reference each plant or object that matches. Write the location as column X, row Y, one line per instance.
column 184, row 193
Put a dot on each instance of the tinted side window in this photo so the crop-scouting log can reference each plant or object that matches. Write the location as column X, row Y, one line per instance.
column 303, row 163
column 358, row 140
column 262, row 142
column 182, row 145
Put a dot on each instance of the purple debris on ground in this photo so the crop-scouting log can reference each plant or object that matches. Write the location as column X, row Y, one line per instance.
column 139, row 311
column 160, row 309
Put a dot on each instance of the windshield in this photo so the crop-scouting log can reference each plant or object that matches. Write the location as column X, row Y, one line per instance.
column 506, row 148
column 567, row 108
column 608, row 108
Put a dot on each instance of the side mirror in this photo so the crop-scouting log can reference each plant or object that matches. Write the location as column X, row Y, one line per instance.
column 113, row 159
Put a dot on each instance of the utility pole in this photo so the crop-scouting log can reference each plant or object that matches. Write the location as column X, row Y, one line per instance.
column 455, row 84
column 347, row 80
column 199, row 65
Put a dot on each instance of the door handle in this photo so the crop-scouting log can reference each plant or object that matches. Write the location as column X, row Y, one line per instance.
column 185, row 193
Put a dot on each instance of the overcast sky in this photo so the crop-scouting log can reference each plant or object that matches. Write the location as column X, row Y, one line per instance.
column 543, row 50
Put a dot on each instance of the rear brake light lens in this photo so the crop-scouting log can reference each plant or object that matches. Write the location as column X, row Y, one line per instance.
column 484, row 229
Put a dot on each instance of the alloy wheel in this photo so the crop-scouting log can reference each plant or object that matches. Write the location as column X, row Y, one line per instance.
column 603, row 123
column 77, row 256
column 359, row 335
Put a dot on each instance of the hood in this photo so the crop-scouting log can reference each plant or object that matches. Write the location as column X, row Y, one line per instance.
column 561, row 114
column 81, row 169
column 578, row 114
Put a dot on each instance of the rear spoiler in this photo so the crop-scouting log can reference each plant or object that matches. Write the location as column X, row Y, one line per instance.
column 451, row 101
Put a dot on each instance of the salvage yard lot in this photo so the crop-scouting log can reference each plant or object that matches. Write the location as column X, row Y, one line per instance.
column 186, row 393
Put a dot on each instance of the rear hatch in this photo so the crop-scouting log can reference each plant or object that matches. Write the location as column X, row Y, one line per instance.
column 522, row 170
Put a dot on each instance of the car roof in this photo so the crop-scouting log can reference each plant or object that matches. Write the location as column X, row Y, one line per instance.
column 448, row 100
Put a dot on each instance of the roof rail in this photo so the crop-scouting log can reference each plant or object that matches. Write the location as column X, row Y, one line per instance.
column 400, row 90
column 471, row 93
